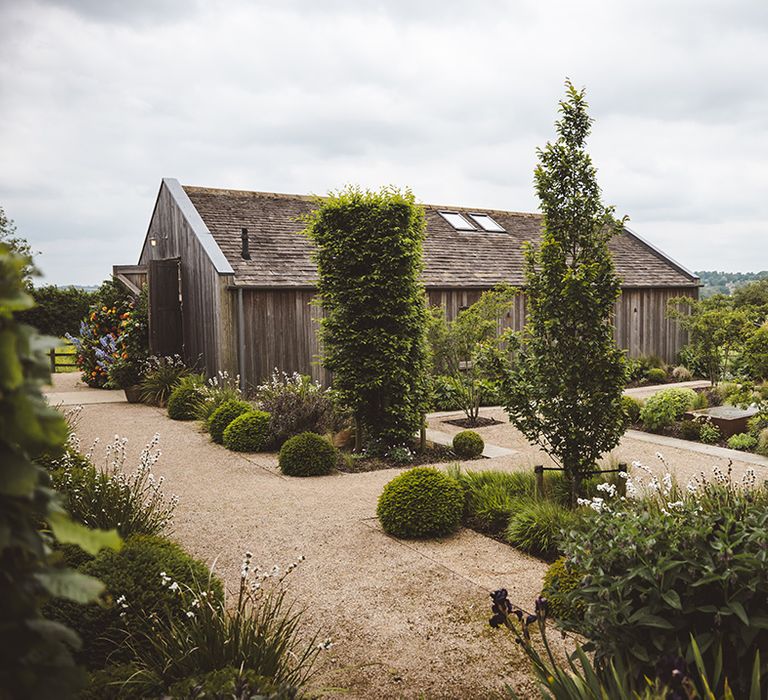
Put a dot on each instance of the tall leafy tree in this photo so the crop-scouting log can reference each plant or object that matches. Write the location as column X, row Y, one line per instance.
column 369, row 260
column 565, row 382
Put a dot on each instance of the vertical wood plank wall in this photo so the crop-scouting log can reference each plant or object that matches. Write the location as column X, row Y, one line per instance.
column 207, row 314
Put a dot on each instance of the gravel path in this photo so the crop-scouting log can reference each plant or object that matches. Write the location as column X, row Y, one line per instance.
column 408, row 619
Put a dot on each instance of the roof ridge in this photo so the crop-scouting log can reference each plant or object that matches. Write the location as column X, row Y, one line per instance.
column 312, row 198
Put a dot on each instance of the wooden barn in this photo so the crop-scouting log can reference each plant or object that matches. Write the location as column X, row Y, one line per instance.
column 231, row 279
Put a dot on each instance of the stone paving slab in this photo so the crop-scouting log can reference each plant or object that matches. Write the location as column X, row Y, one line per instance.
column 83, row 398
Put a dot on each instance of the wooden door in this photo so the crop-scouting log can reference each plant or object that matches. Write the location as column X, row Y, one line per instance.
column 165, row 328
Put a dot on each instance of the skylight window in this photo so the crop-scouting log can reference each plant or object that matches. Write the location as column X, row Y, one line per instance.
column 486, row 223
column 457, row 221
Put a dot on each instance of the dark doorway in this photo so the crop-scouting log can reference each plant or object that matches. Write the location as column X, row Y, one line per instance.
column 165, row 329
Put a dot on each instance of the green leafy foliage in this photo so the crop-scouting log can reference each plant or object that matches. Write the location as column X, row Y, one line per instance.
column 755, row 356
column 690, row 429
column 709, row 433
column 468, row 444
column 249, row 432
column 224, row 415
column 369, row 260
column 665, row 407
column 139, row 580
column 307, row 454
column 667, row 570
column 561, row 578
column 36, row 652
column 161, row 375
column 231, row 682
column 58, row 310
column 656, row 375
column 184, row 401
column 217, row 390
column 742, row 441
column 631, row 407
column 296, row 405
column 422, row 502
column 538, row 527
column 566, row 377
column 762, row 443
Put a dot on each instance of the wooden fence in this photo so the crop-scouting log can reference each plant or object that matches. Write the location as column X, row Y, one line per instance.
column 54, row 354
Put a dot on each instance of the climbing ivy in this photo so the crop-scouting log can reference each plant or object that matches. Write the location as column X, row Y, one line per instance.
column 369, row 259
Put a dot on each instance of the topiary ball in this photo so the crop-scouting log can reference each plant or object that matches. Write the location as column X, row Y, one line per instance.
column 422, row 502
column 184, row 402
column 224, row 415
column 468, row 444
column 560, row 579
column 307, row 454
column 139, row 586
column 249, row 432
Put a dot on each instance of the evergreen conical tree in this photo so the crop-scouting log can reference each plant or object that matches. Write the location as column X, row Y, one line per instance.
column 565, row 382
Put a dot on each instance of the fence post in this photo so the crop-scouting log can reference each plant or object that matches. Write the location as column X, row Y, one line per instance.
column 52, row 357
column 622, row 485
column 538, row 470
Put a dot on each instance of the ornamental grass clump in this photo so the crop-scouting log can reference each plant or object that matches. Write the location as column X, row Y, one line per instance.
column 539, row 526
column 143, row 581
column 675, row 566
column 256, row 644
column 224, row 415
column 307, row 454
column 112, row 497
column 249, row 432
column 468, row 444
column 422, row 502
column 161, row 376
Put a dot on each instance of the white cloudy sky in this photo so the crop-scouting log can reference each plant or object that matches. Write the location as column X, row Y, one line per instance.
column 100, row 99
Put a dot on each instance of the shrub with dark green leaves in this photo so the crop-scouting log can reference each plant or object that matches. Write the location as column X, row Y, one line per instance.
column 690, row 429
column 224, row 415
column 631, row 408
column 742, row 441
column 307, row 454
column 184, row 401
column 762, row 443
column 231, row 682
column 422, row 502
column 665, row 407
column 140, row 583
column 468, row 444
column 755, row 356
column 656, row 375
column 561, row 578
column 659, row 573
column 249, row 432
column 538, row 527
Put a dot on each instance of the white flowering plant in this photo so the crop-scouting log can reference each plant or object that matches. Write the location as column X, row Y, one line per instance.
column 667, row 564
column 259, row 634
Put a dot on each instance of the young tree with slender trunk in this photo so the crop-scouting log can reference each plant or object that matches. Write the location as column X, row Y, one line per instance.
column 566, row 378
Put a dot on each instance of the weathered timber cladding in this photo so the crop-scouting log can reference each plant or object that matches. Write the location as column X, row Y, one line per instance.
column 206, row 312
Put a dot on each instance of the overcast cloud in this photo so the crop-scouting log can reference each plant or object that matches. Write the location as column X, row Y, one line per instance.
column 100, row 99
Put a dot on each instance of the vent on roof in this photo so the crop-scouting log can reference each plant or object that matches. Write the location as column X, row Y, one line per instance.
column 245, row 252
column 485, row 222
column 457, row 221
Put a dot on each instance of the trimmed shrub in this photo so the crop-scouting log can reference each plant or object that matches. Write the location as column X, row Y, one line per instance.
column 249, row 432
column 631, row 408
column 709, row 433
column 762, row 443
column 137, row 592
column 307, row 454
column 690, row 430
column 538, row 527
column 742, row 441
column 224, row 415
column 422, row 502
column 561, row 578
column 656, row 375
column 665, row 407
column 184, row 401
column 468, row 444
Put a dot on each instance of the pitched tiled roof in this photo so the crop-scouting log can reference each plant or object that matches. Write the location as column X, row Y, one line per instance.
column 281, row 255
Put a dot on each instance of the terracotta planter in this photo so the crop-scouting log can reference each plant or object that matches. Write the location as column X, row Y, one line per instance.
column 133, row 393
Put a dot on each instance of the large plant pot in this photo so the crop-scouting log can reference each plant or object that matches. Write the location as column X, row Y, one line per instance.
column 133, row 393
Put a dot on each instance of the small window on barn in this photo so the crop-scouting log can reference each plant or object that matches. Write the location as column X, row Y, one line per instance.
column 485, row 222
column 457, row 221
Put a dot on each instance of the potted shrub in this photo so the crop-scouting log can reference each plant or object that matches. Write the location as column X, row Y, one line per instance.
column 125, row 374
